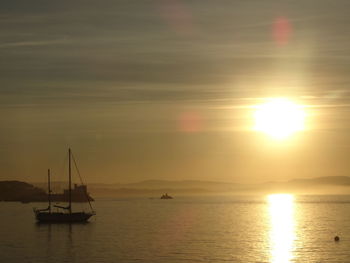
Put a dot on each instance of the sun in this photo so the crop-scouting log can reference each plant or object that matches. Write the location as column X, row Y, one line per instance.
column 279, row 118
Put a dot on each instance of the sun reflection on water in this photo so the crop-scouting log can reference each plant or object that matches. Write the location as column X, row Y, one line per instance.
column 282, row 227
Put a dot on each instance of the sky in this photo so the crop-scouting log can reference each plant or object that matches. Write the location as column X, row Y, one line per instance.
column 164, row 89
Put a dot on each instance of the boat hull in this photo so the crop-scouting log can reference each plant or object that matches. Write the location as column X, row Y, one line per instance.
column 46, row 217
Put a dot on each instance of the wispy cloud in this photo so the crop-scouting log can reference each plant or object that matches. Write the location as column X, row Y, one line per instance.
column 34, row 43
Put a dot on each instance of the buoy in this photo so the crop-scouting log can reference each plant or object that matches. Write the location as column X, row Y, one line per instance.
column 336, row 238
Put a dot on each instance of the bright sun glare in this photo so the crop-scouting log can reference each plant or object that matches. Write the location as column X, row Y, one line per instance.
column 282, row 230
column 279, row 118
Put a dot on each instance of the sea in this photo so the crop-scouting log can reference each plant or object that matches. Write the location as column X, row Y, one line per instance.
column 276, row 228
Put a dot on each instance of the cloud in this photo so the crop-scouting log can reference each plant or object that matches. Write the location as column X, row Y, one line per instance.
column 34, row 43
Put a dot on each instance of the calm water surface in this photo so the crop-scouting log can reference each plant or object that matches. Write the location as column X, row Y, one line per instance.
column 276, row 229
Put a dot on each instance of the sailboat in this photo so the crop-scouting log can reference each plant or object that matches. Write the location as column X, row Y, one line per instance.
column 67, row 215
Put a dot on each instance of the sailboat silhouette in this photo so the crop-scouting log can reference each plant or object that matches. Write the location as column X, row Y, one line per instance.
column 67, row 215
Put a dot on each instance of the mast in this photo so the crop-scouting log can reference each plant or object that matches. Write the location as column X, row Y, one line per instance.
column 70, row 181
column 82, row 183
column 49, row 189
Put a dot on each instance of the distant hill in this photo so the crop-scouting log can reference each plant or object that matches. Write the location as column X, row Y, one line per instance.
column 167, row 184
column 20, row 191
column 328, row 180
column 319, row 185
column 155, row 188
column 24, row 192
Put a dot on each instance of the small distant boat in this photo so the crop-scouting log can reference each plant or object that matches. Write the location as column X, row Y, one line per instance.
column 166, row 196
column 67, row 215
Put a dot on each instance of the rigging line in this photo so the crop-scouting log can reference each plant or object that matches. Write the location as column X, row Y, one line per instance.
column 61, row 173
column 81, row 180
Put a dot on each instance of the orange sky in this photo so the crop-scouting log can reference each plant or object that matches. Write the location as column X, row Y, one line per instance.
column 164, row 89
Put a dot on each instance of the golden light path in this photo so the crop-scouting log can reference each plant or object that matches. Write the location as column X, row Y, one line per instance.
column 282, row 227
column 279, row 118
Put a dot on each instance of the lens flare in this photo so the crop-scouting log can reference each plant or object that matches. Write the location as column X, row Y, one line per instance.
column 178, row 16
column 190, row 122
column 282, row 31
